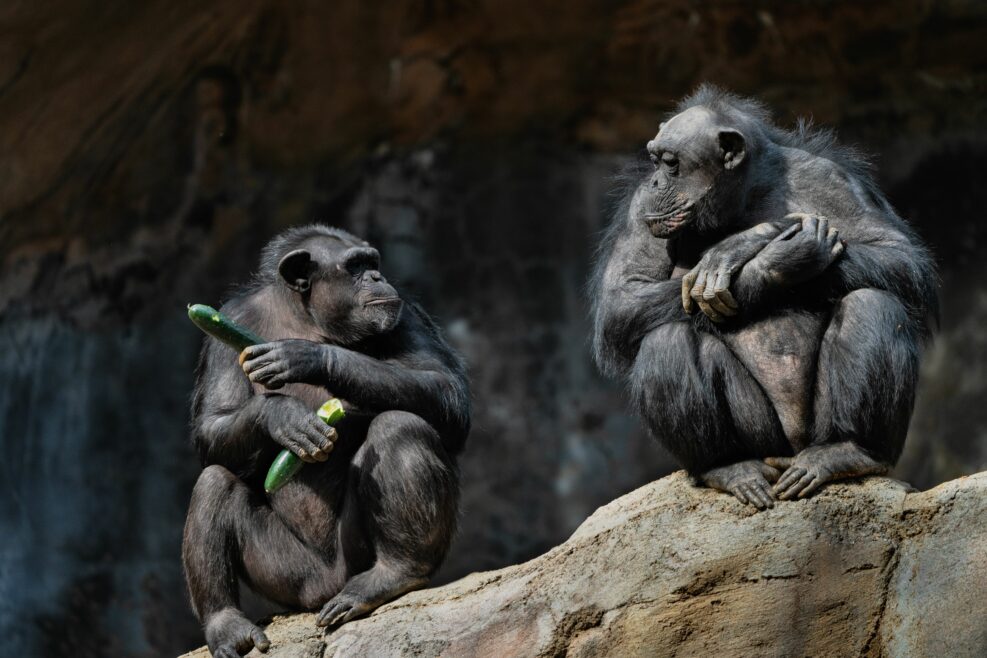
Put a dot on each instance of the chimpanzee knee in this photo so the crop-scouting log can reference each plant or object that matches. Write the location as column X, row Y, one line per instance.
column 700, row 402
column 868, row 371
column 409, row 488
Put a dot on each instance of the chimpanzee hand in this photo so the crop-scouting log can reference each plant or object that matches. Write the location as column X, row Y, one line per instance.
column 748, row 480
column 707, row 285
column 800, row 252
column 294, row 426
column 283, row 362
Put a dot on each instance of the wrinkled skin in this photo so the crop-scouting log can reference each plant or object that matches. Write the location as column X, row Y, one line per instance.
column 763, row 303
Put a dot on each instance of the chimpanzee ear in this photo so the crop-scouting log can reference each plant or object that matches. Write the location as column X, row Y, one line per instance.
column 733, row 146
column 296, row 270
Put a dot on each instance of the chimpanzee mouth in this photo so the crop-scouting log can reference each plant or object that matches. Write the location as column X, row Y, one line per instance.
column 668, row 222
column 383, row 301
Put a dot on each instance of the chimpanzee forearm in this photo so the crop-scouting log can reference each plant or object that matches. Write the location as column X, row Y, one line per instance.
column 895, row 266
column 231, row 436
column 634, row 309
column 437, row 396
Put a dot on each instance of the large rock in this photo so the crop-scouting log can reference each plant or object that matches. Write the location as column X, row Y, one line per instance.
column 862, row 569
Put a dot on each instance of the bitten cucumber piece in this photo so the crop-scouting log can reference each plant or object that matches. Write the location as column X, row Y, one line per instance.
column 220, row 327
column 288, row 463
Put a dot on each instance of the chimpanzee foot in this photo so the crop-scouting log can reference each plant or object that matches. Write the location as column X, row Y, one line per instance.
column 230, row 635
column 749, row 481
column 817, row 465
column 365, row 592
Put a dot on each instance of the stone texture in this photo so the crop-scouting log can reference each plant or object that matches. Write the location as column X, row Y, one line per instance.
column 870, row 568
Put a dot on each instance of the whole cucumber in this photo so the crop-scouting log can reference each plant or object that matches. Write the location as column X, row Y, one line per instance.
column 288, row 463
column 220, row 327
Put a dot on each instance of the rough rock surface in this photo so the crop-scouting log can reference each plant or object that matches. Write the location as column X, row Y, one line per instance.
column 863, row 569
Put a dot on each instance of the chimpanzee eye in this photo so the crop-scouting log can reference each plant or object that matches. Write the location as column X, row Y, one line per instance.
column 670, row 160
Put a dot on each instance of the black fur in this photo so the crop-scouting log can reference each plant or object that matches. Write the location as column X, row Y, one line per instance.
column 358, row 525
column 823, row 349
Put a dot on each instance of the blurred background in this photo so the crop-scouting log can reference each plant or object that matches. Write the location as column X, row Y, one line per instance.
column 148, row 150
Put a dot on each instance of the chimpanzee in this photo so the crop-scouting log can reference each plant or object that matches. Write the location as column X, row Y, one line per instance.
column 815, row 301
column 372, row 513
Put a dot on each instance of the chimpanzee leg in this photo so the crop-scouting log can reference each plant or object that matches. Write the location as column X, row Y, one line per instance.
column 406, row 497
column 229, row 533
column 865, row 391
column 708, row 411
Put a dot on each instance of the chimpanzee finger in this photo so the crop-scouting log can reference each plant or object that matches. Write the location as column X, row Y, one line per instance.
column 832, row 236
column 714, row 302
column 301, row 440
column 722, row 289
column 254, row 351
column 264, row 375
column 314, row 440
column 298, row 448
column 260, row 640
column 687, row 282
column 788, row 232
column 770, row 473
column 788, row 478
column 811, row 487
column 258, row 362
column 749, row 496
column 822, row 228
column 779, row 462
column 762, row 492
column 838, row 248
column 713, row 295
column 793, row 490
column 738, row 491
column 709, row 311
column 698, row 287
column 809, row 224
column 323, row 435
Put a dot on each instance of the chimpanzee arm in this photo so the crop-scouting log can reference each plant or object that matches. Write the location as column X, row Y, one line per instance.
column 633, row 295
column 428, row 389
column 873, row 251
column 416, row 372
column 882, row 254
column 232, row 425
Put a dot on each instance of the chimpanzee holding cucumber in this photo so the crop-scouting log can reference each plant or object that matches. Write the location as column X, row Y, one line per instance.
column 372, row 514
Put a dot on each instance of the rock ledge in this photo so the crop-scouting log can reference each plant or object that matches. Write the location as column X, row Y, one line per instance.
column 862, row 569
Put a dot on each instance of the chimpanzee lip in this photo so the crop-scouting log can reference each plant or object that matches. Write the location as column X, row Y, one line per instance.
column 382, row 300
column 679, row 214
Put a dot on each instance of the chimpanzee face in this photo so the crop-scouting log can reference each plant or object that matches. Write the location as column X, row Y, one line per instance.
column 342, row 288
column 691, row 154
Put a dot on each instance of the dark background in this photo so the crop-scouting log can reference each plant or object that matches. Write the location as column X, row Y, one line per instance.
column 148, row 150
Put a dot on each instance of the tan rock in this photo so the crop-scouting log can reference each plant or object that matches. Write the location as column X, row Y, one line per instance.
column 862, row 569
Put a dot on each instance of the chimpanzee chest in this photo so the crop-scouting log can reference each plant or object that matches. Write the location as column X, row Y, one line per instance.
column 781, row 352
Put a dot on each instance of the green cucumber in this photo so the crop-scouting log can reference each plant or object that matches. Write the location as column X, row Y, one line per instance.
column 220, row 327
column 288, row 463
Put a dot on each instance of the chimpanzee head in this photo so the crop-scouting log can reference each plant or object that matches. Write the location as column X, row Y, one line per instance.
column 335, row 277
column 699, row 161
